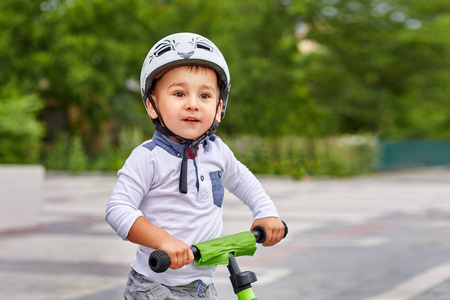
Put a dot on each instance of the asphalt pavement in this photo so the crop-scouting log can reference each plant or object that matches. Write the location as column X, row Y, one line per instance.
column 376, row 237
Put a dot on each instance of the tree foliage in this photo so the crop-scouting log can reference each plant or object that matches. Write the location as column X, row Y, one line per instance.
column 375, row 66
column 380, row 66
column 20, row 132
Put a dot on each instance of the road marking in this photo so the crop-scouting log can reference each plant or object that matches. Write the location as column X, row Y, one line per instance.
column 364, row 229
column 306, row 243
column 372, row 242
column 264, row 275
column 416, row 285
column 267, row 276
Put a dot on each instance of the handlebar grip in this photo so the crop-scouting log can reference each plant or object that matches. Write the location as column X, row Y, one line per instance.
column 286, row 229
column 159, row 261
column 260, row 233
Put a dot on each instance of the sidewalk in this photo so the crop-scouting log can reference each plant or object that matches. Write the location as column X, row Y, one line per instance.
column 73, row 254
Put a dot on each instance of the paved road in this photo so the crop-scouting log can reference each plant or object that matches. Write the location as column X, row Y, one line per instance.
column 380, row 237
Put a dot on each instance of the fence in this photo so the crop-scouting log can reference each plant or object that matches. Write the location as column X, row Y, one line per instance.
column 410, row 154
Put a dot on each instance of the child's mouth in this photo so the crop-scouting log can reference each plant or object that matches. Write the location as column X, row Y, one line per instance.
column 191, row 120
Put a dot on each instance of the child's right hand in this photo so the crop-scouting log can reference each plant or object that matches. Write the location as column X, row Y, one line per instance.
column 145, row 233
column 180, row 254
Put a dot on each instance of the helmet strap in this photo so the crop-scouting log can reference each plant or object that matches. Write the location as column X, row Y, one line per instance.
column 160, row 126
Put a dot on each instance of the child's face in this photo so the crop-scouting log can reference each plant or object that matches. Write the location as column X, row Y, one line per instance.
column 187, row 98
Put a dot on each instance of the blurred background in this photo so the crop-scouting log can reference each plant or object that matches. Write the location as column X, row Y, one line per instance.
column 328, row 87
column 321, row 89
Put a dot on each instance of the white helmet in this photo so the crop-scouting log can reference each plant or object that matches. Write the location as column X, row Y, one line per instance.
column 184, row 49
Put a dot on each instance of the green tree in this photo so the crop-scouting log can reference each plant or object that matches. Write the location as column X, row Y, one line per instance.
column 380, row 66
column 84, row 59
column 20, row 132
column 81, row 58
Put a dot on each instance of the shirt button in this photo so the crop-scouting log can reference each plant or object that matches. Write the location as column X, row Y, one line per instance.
column 220, row 174
column 178, row 154
column 202, row 178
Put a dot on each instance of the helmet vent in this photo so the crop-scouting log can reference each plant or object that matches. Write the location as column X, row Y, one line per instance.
column 163, row 50
column 204, row 46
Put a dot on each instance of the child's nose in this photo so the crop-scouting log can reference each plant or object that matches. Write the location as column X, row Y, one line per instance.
column 192, row 103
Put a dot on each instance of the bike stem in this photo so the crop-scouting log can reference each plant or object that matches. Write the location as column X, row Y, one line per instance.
column 247, row 294
column 241, row 281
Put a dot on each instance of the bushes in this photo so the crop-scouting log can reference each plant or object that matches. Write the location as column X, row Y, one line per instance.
column 68, row 153
column 20, row 131
column 298, row 157
column 292, row 156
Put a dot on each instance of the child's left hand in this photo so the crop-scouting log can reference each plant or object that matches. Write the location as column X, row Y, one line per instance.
column 274, row 230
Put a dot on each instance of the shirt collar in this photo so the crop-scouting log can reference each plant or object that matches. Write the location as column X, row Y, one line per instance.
column 167, row 144
column 174, row 148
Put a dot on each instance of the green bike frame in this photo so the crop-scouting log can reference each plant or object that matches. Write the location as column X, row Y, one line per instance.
column 246, row 295
column 241, row 281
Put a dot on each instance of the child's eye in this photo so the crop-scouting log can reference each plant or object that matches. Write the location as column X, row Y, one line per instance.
column 179, row 94
column 205, row 96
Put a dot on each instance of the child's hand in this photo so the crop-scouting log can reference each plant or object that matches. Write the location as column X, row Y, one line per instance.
column 145, row 233
column 274, row 230
column 180, row 254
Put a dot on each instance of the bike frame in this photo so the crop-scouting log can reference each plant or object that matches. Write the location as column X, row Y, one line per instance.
column 241, row 281
column 246, row 295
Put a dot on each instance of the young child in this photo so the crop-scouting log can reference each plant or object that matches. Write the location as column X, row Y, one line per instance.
column 169, row 193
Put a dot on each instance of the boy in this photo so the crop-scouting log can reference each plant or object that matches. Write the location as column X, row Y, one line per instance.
column 169, row 193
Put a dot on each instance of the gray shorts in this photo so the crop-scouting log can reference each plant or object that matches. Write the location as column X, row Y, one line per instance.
column 141, row 288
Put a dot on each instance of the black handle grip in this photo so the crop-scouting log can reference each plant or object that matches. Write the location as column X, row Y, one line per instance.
column 159, row 261
column 260, row 233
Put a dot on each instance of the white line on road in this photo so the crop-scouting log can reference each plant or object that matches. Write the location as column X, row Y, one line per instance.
column 340, row 243
column 265, row 275
column 416, row 285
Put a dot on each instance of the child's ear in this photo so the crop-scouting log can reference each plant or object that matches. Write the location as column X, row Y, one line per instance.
column 218, row 117
column 150, row 109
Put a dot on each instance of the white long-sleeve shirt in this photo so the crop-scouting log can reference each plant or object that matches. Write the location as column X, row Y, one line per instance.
column 148, row 185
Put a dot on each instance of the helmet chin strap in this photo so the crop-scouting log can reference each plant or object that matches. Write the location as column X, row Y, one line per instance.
column 161, row 127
